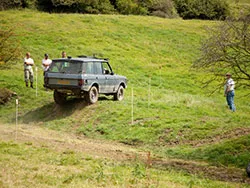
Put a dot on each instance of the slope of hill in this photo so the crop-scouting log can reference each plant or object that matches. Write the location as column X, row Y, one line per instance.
column 171, row 115
column 44, row 158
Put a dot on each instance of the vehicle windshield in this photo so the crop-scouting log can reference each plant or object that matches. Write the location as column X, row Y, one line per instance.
column 66, row 66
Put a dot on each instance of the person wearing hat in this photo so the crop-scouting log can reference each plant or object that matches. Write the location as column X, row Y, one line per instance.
column 229, row 92
column 28, row 71
column 46, row 62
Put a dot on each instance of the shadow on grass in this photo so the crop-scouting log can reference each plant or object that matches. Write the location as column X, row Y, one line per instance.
column 54, row 111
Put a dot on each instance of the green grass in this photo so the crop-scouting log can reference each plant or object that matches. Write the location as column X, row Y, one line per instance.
column 50, row 168
column 170, row 111
column 235, row 151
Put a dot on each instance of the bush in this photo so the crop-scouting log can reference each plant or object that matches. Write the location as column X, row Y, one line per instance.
column 77, row 6
column 127, row 7
column 163, row 8
column 202, row 9
column 29, row 4
column 9, row 46
column 7, row 4
column 5, row 95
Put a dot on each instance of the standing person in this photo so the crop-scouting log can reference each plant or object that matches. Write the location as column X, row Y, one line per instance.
column 28, row 71
column 46, row 62
column 248, row 170
column 64, row 54
column 229, row 92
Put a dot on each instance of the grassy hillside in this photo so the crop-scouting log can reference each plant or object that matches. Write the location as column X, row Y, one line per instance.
column 172, row 115
column 45, row 158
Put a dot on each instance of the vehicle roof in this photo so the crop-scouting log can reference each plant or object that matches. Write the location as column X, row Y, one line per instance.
column 84, row 59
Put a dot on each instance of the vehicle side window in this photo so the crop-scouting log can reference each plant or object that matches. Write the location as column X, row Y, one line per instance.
column 98, row 68
column 84, row 68
column 58, row 66
column 89, row 68
column 106, row 68
column 54, row 68
column 74, row 67
column 65, row 67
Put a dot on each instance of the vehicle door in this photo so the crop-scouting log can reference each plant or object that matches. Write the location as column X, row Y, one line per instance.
column 110, row 80
column 100, row 77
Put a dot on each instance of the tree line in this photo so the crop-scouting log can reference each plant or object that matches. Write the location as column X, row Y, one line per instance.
column 187, row 9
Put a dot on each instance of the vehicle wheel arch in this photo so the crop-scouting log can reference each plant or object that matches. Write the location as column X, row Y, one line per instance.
column 119, row 95
column 91, row 96
column 96, row 85
column 122, row 84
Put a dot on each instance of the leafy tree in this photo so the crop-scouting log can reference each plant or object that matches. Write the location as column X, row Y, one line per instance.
column 227, row 49
column 45, row 5
column 29, row 4
column 77, row 6
column 163, row 8
column 127, row 6
column 9, row 46
column 202, row 9
column 7, row 4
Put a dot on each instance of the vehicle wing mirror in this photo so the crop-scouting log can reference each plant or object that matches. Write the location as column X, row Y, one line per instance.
column 106, row 71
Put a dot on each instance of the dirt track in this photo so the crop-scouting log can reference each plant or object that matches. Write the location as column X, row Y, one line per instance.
column 106, row 149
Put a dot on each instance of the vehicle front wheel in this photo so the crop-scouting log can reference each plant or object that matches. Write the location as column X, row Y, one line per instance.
column 92, row 95
column 119, row 95
column 59, row 98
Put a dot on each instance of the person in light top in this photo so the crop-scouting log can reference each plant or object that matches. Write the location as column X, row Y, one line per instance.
column 46, row 62
column 229, row 92
column 28, row 71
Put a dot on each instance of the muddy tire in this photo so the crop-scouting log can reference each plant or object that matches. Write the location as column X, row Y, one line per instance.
column 92, row 96
column 59, row 98
column 119, row 95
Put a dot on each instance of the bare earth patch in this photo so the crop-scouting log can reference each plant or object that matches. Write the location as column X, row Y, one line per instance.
column 60, row 141
column 216, row 139
column 235, row 133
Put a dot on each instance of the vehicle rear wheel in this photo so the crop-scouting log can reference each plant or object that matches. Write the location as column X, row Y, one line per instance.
column 119, row 95
column 92, row 95
column 59, row 98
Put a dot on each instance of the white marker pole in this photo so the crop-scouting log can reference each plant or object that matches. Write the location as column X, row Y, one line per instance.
column 132, row 106
column 16, row 117
column 36, row 80
column 149, row 91
column 160, row 77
